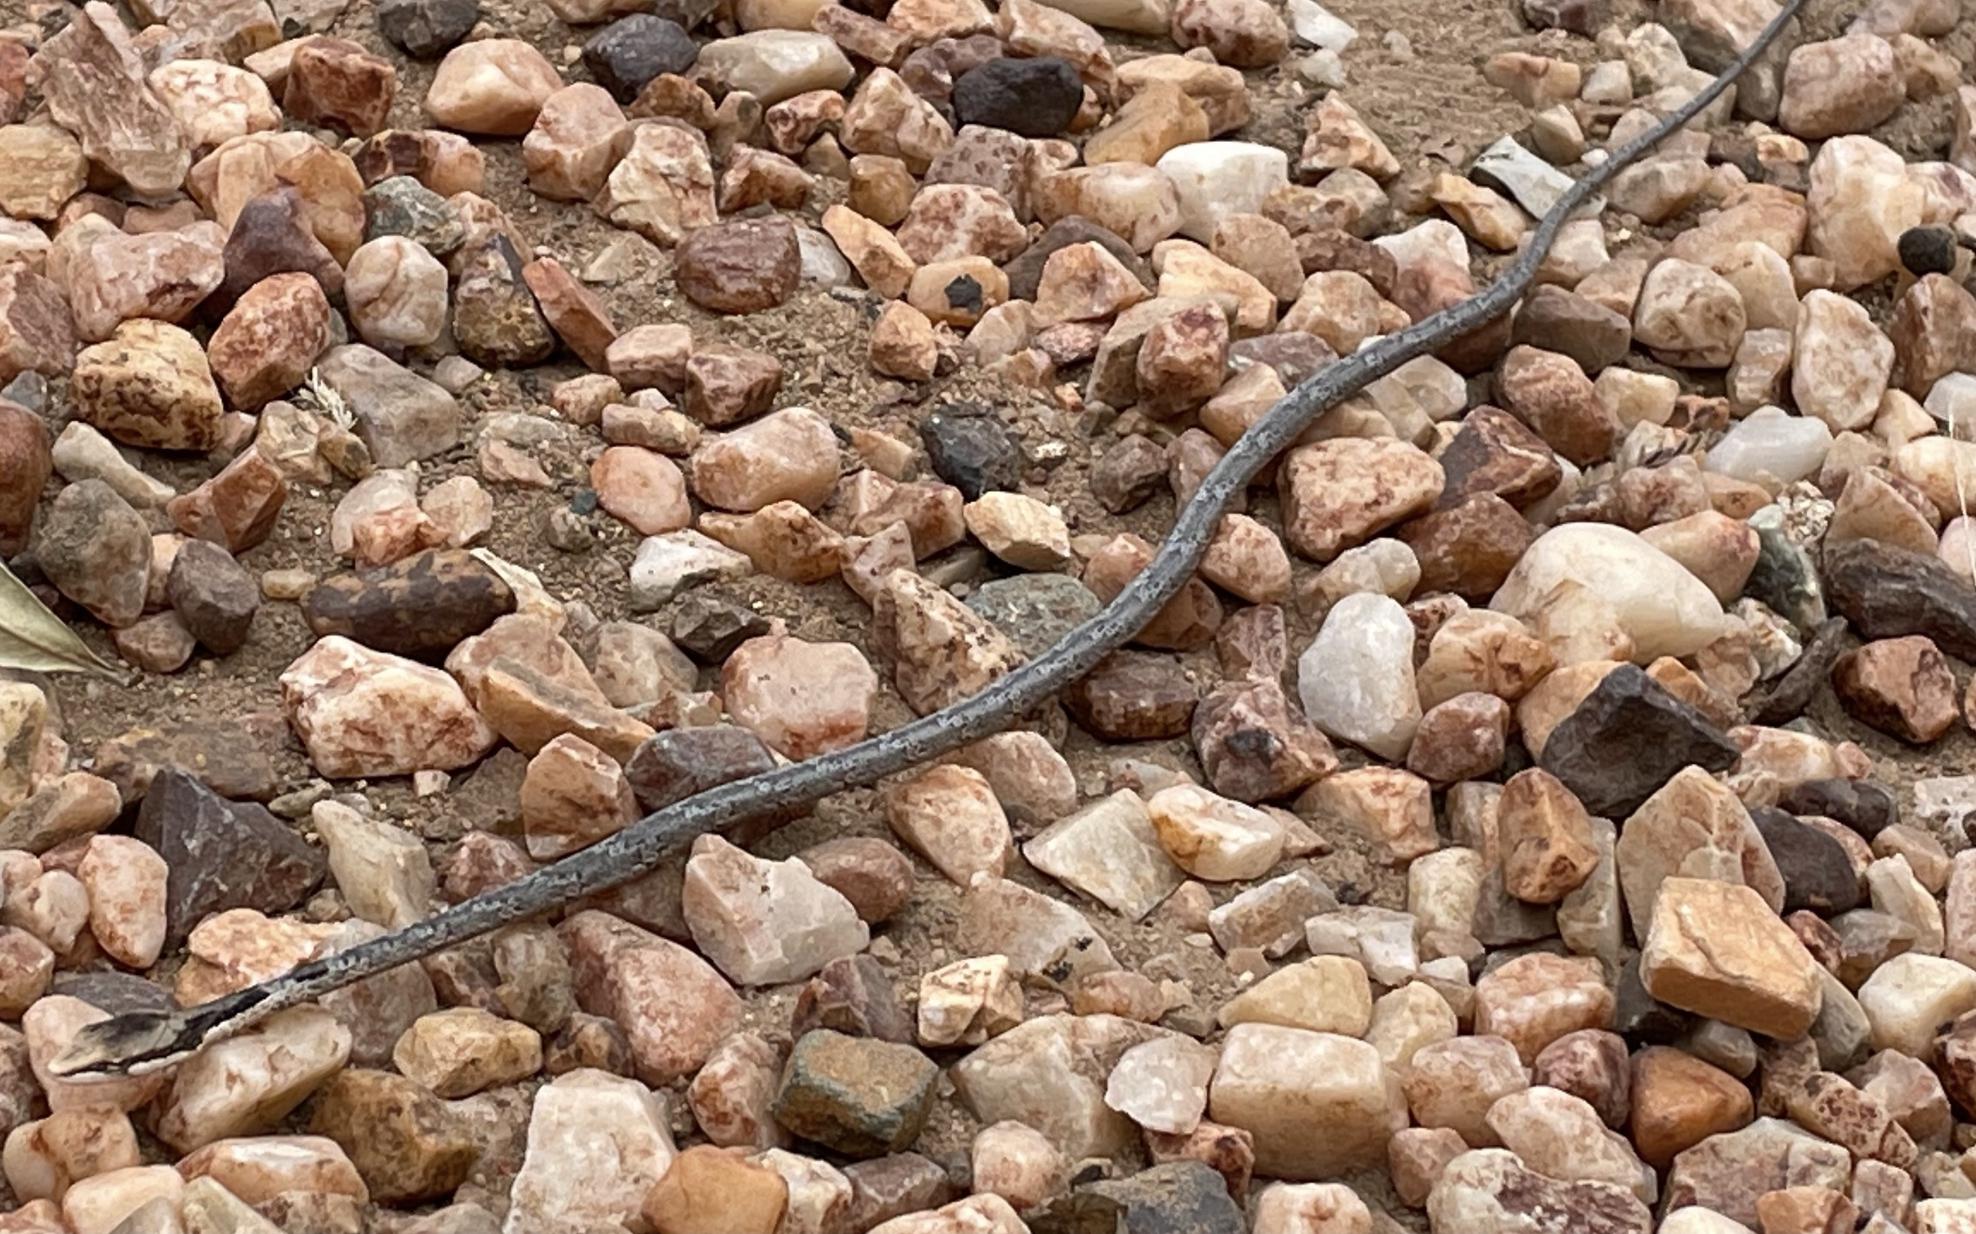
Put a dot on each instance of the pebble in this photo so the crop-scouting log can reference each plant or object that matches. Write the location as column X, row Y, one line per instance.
column 493, row 87
column 765, row 923
column 96, row 551
column 801, row 698
column 1035, row 97
column 1271, row 1077
column 149, row 385
column 1111, row 852
column 788, row 455
column 627, row 55
column 1843, row 85
column 951, row 817
column 365, row 713
column 743, row 266
column 94, row 84
column 858, row 1096
column 426, row 28
column 774, row 65
column 405, row 1142
column 597, row 1144
column 1356, row 679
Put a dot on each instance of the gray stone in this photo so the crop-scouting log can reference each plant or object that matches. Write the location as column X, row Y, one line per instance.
column 400, row 416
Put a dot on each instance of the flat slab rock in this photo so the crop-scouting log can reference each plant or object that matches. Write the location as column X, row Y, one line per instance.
column 1627, row 739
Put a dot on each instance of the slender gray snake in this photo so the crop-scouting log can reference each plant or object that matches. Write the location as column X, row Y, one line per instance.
column 140, row 1042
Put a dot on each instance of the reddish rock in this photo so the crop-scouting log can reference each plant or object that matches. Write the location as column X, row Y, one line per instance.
column 36, row 333
column 25, row 464
column 236, row 508
column 336, row 83
column 270, row 340
column 673, row 1006
column 1468, row 548
column 1901, row 686
column 740, row 266
column 575, row 313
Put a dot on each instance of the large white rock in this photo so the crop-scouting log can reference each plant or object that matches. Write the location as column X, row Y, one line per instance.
column 246, row 1084
column 1110, row 851
column 1840, row 362
column 1941, row 467
column 1356, row 677
column 774, row 65
column 765, row 922
column 1861, row 199
column 1771, row 447
column 1666, row 610
column 1910, row 996
column 1319, row 1104
column 596, row 1145
column 1215, row 179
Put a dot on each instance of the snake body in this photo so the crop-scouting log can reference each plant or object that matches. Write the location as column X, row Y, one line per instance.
column 139, row 1042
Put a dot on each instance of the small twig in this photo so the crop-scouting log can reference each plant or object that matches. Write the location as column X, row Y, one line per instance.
column 145, row 1041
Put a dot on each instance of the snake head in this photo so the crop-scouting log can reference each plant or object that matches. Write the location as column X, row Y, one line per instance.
column 132, row 1044
column 140, row 1042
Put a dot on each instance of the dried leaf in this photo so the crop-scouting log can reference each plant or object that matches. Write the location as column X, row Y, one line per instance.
column 35, row 639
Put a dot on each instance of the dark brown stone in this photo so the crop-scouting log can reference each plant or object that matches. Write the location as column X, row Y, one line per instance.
column 1255, row 744
column 25, row 464
column 336, row 83
column 272, row 236
column 1551, row 394
column 1128, row 474
column 1566, row 322
column 873, row 875
column 1334, row 249
column 1784, row 698
column 1134, row 696
column 213, row 596
column 1629, row 737
column 1468, row 548
column 726, row 385
column 227, row 756
column 888, row 1187
column 1887, row 592
column 853, row 996
column 421, row 606
column 740, row 266
column 1496, row 453
column 221, row 854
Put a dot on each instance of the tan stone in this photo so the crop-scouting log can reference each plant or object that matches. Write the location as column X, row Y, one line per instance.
column 1718, row 950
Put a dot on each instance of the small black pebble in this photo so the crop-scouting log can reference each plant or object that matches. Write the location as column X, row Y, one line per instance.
column 427, row 28
column 627, row 54
column 1036, row 97
column 1928, row 250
